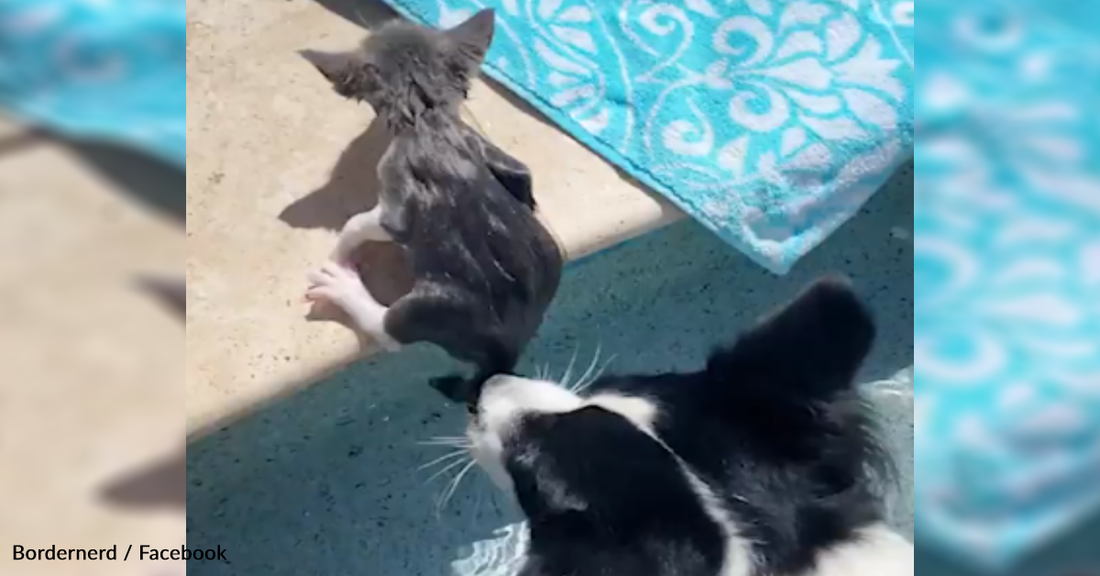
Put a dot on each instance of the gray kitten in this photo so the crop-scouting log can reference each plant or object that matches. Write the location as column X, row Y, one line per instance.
column 485, row 268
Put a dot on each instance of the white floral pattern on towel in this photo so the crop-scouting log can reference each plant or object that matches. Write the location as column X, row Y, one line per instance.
column 1007, row 264
column 771, row 122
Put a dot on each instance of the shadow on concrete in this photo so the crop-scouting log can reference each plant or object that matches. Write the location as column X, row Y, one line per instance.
column 21, row 141
column 366, row 13
column 151, row 182
column 172, row 292
column 353, row 188
column 161, row 485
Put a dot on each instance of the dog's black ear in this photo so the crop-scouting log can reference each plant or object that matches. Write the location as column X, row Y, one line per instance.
column 814, row 346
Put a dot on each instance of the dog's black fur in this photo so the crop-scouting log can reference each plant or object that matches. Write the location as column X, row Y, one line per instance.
column 773, row 425
column 485, row 268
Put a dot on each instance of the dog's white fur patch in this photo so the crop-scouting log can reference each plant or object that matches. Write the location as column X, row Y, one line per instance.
column 738, row 560
column 877, row 551
column 641, row 412
column 504, row 401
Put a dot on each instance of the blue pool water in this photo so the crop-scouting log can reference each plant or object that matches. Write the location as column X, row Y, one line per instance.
column 327, row 481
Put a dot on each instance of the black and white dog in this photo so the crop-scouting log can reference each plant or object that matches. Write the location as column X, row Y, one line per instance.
column 763, row 463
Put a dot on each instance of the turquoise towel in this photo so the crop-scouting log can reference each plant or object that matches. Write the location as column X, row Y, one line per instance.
column 769, row 122
column 103, row 69
column 1007, row 276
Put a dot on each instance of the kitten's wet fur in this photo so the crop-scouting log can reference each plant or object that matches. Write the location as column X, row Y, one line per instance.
column 485, row 268
column 765, row 462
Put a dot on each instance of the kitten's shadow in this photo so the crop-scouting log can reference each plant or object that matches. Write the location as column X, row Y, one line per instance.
column 353, row 188
column 366, row 13
column 162, row 484
column 171, row 292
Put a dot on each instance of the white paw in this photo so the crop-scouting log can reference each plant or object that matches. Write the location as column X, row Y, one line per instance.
column 342, row 286
column 339, row 284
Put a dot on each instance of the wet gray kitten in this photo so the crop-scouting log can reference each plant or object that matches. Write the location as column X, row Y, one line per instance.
column 485, row 268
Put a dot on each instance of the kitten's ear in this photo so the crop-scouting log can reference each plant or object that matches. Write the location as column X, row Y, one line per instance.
column 813, row 347
column 333, row 65
column 349, row 75
column 474, row 36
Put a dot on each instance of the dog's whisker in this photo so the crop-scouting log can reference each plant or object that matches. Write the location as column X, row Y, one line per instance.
column 458, row 483
column 596, row 376
column 456, row 441
column 453, row 486
column 443, row 470
column 443, row 458
column 569, row 369
column 439, row 498
column 591, row 367
column 446, row 444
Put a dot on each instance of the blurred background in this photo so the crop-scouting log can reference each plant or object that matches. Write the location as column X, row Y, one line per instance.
column 92, row 207
column 1007, row 278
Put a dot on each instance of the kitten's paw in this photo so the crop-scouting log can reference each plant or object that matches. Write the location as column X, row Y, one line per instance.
column 339, row 284
column 342, row 286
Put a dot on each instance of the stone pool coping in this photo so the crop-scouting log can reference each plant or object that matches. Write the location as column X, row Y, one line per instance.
column 276, row 163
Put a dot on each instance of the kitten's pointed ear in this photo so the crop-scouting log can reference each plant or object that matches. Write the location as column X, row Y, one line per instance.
column 812, row 347
column 474, row 36
column 333, row 65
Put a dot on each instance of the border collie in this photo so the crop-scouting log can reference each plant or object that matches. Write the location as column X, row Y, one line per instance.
column 763, row 463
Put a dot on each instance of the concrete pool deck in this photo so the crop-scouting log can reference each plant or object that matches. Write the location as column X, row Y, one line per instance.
column 277, row 163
